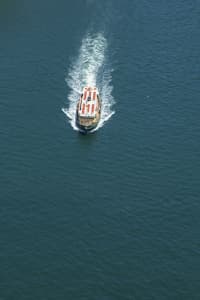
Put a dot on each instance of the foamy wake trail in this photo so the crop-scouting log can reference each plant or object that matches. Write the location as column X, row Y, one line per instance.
column 90, row 69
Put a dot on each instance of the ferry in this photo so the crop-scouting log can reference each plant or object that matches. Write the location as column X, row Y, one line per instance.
column 88, row 111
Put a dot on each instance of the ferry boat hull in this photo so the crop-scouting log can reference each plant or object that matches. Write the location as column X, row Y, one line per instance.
column 88, row 110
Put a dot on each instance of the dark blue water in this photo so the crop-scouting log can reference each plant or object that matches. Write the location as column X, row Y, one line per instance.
column 115, row 214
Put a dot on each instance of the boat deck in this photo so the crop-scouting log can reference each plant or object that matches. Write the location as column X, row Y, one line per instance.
column 88, row 103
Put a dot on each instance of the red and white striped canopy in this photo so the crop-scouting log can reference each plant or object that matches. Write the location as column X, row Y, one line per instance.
column 88, row 102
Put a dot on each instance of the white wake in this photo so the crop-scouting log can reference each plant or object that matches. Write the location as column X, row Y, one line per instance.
column 90, row 69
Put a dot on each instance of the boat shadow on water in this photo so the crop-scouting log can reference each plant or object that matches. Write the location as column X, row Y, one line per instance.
column 86, row 139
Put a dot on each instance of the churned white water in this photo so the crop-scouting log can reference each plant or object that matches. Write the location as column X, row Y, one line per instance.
column 90, row 69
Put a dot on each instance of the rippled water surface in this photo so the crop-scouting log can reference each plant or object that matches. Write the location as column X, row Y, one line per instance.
column 113, row 215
